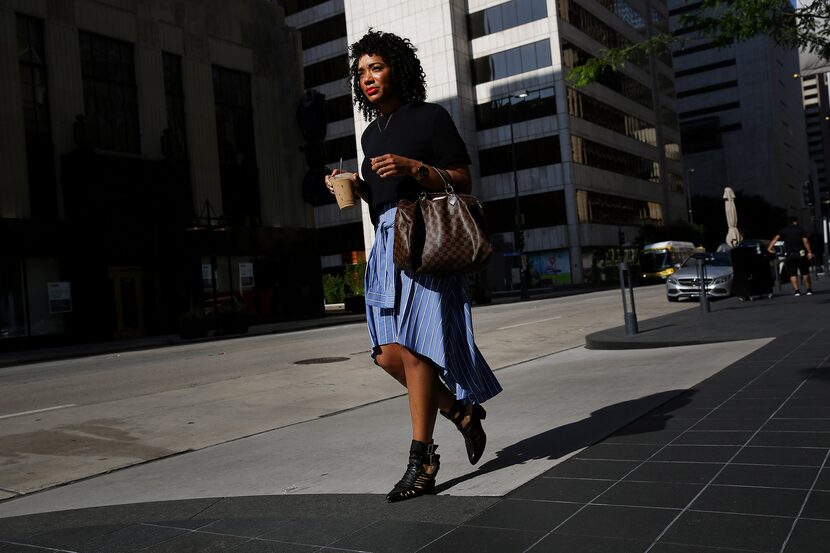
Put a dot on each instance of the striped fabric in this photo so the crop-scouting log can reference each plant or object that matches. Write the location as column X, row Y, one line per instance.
column 429, row 315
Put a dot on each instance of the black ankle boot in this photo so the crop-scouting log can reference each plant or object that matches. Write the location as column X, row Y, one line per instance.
column 467, row 418
column 419, row 477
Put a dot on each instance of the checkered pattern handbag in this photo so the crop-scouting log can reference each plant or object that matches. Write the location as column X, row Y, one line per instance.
column 441, row 233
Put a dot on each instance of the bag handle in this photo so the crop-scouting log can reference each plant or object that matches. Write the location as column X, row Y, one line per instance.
column 447, row 178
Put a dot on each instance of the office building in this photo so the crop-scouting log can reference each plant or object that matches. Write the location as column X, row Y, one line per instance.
column 740, row 111
column 322, row 27
column 816, row 93
column 590, row 163
column 151, row 169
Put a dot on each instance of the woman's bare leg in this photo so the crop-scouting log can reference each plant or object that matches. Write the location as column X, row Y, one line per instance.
column 389, row 359
column 425, row 395
column 426, row 392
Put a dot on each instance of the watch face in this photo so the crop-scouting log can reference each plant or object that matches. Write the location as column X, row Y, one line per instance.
column 423, row 172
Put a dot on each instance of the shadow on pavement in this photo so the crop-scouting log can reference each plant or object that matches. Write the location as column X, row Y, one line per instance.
column 564, row 440
column 647, row 330
column 817, row 373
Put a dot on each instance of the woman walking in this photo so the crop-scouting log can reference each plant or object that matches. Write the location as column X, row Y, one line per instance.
column 420, row 325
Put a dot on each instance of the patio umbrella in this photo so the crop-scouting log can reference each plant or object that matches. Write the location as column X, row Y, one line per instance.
column 733, row 235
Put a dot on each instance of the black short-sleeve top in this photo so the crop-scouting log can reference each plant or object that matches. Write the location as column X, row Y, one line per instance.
column 420, row 131
column 792, row 235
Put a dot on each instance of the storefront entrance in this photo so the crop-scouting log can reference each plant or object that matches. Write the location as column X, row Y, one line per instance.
column 130, row 294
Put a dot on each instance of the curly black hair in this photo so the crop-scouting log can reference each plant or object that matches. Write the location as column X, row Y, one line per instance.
column 407, row 73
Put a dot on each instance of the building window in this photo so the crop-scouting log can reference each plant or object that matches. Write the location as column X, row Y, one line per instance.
column 505, row 16
column 703, row 68
column 512, row 62
column 591, row 25
column 174, row 143
column 709, row 110
column 608, row 209
column 685, row 9
column 666, row 85
column 339, row 108
column 660, row 21
column 669, row 118
column 616, row 81
column 34, row 91
column 707, row 89
column 326, row 71
column 540, row 210
column 593, row 154
column 293, row 6
column 687, row 30
column 626, row 12
column 234, row 116
column 110, row 93
column 529, row 153
column 675, row 181
column 672, row 150
column 343, row 147
column 590, row 109
column 695, row 49
column 237, row 147
column 32, row 60
column 324, row 31
column 495, row 113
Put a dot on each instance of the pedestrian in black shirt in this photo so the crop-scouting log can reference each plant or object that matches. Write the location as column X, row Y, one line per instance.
column 797, row 254
column 420, row 325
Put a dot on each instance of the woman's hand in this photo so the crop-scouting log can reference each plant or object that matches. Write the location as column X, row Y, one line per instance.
column 330, row 186
column 358, row 186
column 392, row 165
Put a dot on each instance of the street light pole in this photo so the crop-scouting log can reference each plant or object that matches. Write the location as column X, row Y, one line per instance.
column 518, row 224
column 825, row 230
column 688, row 174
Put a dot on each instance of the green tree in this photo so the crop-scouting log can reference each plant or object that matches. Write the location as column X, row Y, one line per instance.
column 333, row 289
column 723, row 22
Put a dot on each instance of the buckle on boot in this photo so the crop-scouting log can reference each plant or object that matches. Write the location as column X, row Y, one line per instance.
column 431, row 453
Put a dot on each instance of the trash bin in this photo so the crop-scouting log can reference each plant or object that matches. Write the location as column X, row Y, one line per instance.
column 751, row 273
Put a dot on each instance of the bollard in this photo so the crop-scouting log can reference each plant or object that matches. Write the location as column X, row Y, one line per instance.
column 629, row 315
column 825, row 225
column 701, row 276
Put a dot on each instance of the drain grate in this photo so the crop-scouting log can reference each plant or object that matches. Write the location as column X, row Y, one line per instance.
column 321, row 360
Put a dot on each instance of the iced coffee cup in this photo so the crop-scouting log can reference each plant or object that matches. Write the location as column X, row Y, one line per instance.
column 342, row 184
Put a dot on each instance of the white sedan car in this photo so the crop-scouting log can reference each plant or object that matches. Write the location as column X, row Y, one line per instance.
column 685, row 282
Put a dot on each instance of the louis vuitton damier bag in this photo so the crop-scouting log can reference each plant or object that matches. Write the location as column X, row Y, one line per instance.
column 441, row 233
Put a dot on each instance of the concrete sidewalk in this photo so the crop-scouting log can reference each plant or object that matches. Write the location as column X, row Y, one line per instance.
column 716, row 447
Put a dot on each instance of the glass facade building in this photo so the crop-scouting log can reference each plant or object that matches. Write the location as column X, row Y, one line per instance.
column 567, row 167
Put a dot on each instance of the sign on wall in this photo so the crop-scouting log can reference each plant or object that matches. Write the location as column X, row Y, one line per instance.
column 60, row 297
column 550, row 268
column 246, row 275
column 207, row 278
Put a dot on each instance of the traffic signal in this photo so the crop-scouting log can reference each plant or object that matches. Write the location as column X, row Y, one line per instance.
column 519, row 240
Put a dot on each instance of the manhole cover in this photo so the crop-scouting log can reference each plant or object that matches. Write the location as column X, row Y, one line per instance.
column 321, row 360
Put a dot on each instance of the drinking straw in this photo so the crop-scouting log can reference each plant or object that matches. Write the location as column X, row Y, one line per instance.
column 341, row 164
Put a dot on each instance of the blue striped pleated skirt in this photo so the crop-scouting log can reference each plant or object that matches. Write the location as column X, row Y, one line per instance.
column 429, row 315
